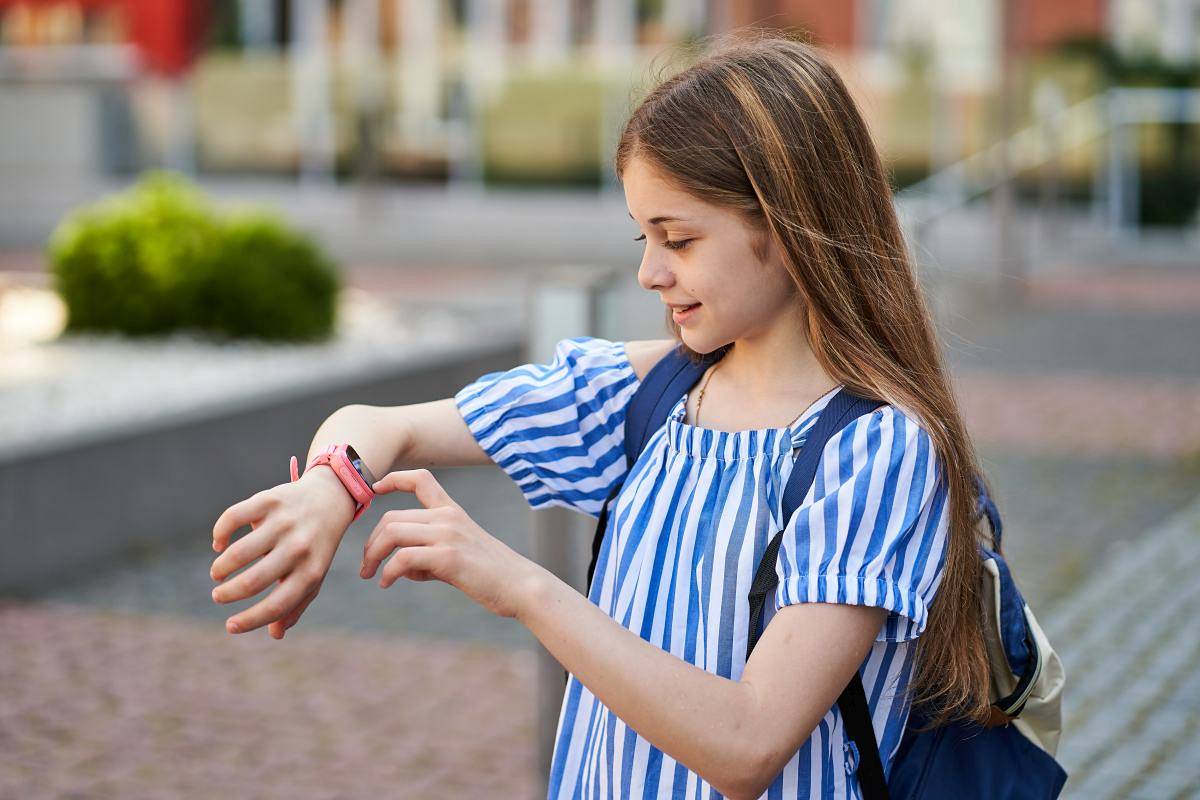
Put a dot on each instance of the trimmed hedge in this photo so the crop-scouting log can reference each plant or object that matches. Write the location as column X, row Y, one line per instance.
column 158, row 258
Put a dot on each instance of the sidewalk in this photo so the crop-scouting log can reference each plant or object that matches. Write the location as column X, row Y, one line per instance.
column 1085, row 409
column 142, row 706
column 1131, row 649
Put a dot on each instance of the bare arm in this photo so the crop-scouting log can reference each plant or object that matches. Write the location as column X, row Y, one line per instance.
column 297, row 527
column 646, row 353
column 392, row 437
column 388, row 438
column 433, row 434
column 422, row 435
column 737, row 735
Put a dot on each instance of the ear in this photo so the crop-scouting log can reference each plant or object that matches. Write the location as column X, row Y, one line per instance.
column 764, row 246
column 769, row 251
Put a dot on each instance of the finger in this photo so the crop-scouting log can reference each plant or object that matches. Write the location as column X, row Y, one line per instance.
column 419, row 481
column 250, row 510
column 397, row 534
column 278, row 603
column 262, row 574
column 254, row 544
column 279, row 627
column 410, row 560
column 399, row 515
column 294, row 617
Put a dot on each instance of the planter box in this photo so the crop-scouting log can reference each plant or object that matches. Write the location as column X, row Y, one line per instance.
column 75, row 500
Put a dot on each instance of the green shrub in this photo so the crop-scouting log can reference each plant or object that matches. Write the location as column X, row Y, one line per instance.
column 158, row 257
column 129, row 262
column 270, row 283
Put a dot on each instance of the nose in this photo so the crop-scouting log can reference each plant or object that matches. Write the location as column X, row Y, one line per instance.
column 654, row 273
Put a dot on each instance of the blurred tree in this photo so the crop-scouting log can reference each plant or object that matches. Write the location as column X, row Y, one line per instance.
column 225, row 29
column 1170, row 178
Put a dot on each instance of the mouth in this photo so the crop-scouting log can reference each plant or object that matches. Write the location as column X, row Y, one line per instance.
column 682, row 313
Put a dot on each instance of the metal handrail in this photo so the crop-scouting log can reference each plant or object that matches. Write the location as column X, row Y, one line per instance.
column 956, row 185
column 1056, row 132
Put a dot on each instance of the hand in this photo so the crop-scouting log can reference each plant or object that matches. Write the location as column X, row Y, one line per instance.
column 440, row 542
column 296, row 529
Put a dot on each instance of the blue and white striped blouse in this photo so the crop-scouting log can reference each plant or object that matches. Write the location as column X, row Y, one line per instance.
column 686, row 533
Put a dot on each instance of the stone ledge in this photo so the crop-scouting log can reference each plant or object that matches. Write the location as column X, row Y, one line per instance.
column 74, row 496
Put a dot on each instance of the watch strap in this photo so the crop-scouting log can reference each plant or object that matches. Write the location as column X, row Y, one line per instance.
column 323, row 458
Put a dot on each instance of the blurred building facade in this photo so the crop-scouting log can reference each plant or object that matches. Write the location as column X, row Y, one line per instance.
column 514, row 89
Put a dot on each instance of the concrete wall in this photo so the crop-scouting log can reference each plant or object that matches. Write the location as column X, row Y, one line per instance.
column 66, row 509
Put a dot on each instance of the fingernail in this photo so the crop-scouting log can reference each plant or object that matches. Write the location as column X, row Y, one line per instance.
column 233, row 627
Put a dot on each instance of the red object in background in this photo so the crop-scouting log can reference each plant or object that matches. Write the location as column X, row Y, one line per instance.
column 1038, row 24
column 168, row 34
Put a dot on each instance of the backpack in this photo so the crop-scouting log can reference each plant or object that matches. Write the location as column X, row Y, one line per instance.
column 1013, row 755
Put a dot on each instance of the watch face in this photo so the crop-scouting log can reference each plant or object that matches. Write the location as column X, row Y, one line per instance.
column 360, row 465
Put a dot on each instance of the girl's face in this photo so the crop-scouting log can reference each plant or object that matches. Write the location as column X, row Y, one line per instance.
column 701, row 253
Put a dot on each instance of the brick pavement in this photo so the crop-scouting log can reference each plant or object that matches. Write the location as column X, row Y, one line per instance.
column 1147, row 291
column 134, row 706
column 1130, row 647
column 1084, row 463
column 1083, row 414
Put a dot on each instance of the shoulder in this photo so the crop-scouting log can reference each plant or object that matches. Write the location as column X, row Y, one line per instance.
column 587, row 353
column 589, row 363
column 890, row 438
column 892, row 417
column 644, row 354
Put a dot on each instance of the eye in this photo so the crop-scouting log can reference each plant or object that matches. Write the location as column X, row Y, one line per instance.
column 676, row 245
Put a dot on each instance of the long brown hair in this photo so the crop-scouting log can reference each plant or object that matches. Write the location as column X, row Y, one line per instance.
column 763, row 125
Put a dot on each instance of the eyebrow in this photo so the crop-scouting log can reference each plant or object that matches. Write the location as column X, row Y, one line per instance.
column 660, row 220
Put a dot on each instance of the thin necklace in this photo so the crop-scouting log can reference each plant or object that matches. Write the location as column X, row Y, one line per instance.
column 700, row 397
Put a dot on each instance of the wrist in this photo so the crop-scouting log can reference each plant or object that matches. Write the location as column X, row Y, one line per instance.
column 322, row 475
column 535, row 591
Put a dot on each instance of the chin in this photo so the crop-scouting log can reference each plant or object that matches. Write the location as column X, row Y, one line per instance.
column 700, row 344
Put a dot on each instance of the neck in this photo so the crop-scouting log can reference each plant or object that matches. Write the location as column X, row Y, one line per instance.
column 761, row 368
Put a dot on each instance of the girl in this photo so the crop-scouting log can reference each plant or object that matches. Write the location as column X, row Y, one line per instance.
column 770, row 233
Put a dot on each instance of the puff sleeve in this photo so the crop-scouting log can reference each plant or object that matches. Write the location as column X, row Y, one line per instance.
column 873, row 527
column 557, row 429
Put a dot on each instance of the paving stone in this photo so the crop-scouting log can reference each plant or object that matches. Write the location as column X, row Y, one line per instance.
column 1126, row 291
column 303, row 722
column 1084, row 414
column 1130, row 711
column 1164, row 785
column 1084, row 406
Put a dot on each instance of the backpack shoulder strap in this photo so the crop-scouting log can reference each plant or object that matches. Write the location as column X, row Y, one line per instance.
column 647, row 411
column 837, row 414
column 844, row 408
column 856, row 714
column 667, row 380
column 841, row 409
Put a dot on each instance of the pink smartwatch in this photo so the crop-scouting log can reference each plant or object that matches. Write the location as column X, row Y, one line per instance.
column 351, row 471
